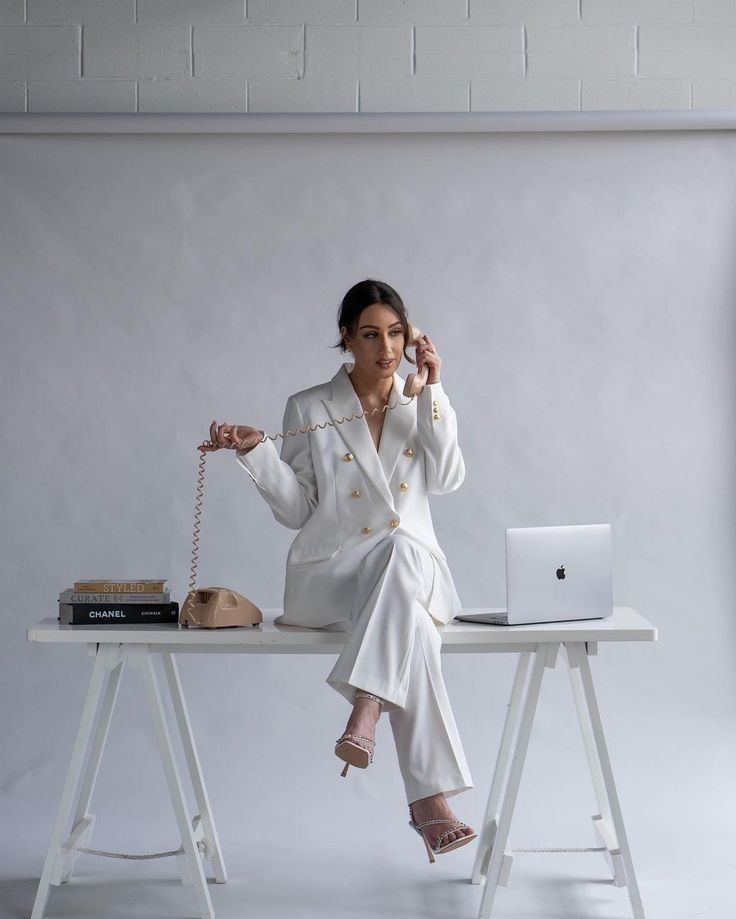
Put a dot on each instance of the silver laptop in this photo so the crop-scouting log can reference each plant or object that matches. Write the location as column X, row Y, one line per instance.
column 554, row 574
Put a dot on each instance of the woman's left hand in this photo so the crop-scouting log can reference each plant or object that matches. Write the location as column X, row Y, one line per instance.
column 427, row 355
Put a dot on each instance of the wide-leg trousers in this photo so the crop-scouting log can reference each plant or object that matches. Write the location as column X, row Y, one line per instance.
column 393, row 651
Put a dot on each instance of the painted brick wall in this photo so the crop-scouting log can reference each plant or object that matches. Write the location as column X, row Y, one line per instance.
column 366, row 55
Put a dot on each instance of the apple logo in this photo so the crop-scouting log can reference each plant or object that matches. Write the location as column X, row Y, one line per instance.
column 561, row 573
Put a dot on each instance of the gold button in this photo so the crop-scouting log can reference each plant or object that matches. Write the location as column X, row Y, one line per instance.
column 403, row 486
column 435, row 402
column 436, row 416
column 367, row 530
column 394, row 522
column 408, row 452
column 348, row 456
column 356, row 493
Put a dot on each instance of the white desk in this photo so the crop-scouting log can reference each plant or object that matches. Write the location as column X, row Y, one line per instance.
column 113, row 646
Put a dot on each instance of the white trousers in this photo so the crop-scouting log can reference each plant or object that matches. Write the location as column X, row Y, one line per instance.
column 393, row 651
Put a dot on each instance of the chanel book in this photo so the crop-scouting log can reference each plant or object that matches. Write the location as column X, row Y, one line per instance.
column 118, row 613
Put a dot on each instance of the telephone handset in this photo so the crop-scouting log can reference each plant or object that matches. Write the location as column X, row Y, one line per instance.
column 219, row 607
column 415, row 382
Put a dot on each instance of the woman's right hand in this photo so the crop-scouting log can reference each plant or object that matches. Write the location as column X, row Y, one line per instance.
column 234, row 436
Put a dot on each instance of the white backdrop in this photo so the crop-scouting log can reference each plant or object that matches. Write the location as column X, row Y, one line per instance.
column 580, row 290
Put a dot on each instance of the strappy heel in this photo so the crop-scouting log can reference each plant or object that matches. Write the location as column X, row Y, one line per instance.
column 355, row 749
column 438, row 848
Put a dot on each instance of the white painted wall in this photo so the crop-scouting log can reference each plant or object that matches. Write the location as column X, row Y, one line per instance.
column 365, row 55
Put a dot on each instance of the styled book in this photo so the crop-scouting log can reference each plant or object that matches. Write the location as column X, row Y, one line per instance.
column 107, row 586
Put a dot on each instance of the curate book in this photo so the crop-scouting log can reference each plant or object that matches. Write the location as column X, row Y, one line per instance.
column 74, row 596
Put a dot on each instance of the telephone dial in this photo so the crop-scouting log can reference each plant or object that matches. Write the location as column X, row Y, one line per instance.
column 220, row 607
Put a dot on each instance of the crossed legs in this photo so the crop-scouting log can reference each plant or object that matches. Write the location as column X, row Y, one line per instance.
column 393, row 651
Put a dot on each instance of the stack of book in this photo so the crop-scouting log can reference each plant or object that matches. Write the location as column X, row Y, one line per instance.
column 114, row 602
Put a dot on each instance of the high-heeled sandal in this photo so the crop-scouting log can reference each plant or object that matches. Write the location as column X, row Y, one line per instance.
column 438, row 848
column 355, row 749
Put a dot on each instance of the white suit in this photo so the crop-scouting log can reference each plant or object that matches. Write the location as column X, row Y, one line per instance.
column 366, row 559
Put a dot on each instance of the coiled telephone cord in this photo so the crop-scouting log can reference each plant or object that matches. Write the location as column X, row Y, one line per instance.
column 205, row 447
column 208, row 446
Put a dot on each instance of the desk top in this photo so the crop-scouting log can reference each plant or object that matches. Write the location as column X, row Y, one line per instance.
column 625, row 624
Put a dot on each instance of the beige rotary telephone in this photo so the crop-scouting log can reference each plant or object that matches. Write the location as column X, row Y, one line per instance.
column 220, row 607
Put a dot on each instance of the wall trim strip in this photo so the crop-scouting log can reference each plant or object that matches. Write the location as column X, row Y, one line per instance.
column 366, row 122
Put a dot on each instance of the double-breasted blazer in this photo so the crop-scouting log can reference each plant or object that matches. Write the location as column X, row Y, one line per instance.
column 344, row 496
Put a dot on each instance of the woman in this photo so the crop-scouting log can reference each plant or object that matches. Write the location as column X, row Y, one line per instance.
column 366, row 559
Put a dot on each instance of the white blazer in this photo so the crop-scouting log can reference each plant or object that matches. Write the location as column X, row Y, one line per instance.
column 344, row 496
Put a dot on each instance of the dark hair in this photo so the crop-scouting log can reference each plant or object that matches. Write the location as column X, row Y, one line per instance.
column 366, row 293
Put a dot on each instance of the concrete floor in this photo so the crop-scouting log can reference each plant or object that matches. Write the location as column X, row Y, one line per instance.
column 342, row 873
